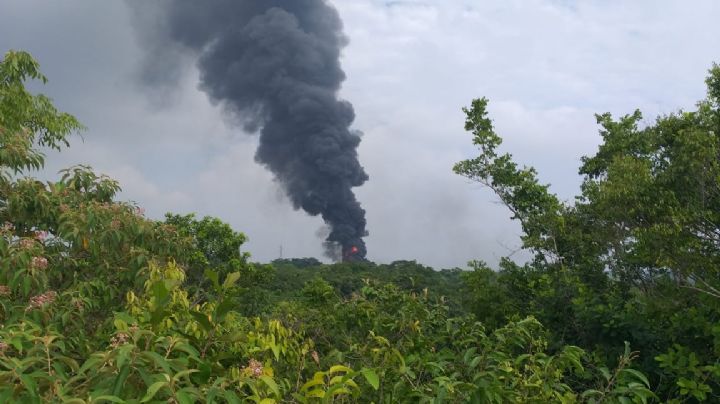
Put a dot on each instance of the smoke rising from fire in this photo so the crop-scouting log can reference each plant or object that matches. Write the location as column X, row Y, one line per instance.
column 274, row 65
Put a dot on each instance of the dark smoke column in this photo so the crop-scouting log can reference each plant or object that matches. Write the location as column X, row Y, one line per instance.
column 274, row 64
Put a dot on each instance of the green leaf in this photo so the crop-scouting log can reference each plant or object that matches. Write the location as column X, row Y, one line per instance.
column 339, row 390
column 120, row 380
column 184, row 397
column 638, row 376
column 120, row 325
column 213, row 276
column 231, row 279
column 158, row 315
column 275, row 349
column 203, row 374
column 271, row 384
column 160, row 292
column 339, row 368
column 29, row 384
column 312, row 383
column 158, row 360
column 152, row 390
column 5, row 395
column 112, row 399
column 468, row 354
column 91, row 362
column 335, row 380
column 184, row 373
column 371, row 378
column 317, row 393
column 123, row 354
column 202, row 319
column 230, row 396
column 223, row 308
column 591, row 392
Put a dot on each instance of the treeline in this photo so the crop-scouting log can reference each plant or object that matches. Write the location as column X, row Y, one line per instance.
column 618, row 304
column 348, row 278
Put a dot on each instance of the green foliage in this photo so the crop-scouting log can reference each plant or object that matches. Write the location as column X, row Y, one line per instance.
column 214, row 249
column 350, row 277
column 635, row 258
column 100, row 304
column 518, row 188
column 27, row 120
column 215, row 244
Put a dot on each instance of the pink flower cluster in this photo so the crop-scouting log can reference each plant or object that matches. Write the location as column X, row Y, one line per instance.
column 39, row 301
column 7, row 227
column 315, row 357
column 27, row 243
column 254, row 368
column 119, row 339
column 41, row 236
column 39, row 262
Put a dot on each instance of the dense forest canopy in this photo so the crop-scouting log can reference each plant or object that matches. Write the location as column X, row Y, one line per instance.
column 618, row 304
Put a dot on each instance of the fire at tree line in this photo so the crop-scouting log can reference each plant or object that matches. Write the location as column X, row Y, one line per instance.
column 619, row 303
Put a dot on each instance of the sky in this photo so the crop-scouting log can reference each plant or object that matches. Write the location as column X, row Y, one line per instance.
column 547, row 67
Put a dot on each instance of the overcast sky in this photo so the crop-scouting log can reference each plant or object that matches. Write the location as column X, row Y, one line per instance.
column 546, row 65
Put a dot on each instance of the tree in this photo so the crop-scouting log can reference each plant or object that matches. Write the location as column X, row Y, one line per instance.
column 215, row 250
column 27, row 120
column 215, row 244
column 649, row 201
column 640, row 245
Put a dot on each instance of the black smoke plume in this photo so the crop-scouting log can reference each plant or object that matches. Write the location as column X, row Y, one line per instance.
column 274, row 64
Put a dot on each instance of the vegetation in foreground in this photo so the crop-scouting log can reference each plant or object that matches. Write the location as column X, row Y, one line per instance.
column 619, row 304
